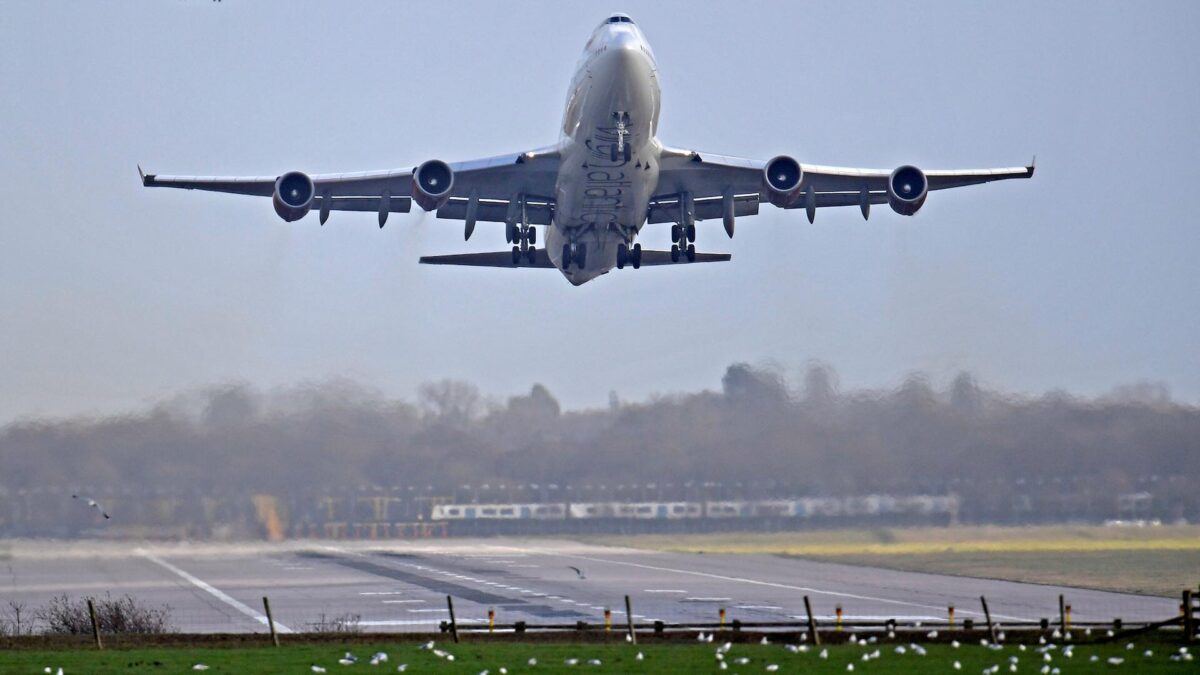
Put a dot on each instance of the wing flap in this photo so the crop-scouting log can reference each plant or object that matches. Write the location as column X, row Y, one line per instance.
column 665, row 208
column 538, row 211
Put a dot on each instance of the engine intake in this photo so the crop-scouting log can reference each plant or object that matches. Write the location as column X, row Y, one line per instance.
column 783, row 176
column 293, row 196
column 907, row 188
column 432, row 183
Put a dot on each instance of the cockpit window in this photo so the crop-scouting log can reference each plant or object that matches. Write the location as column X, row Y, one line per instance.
column 619, row 18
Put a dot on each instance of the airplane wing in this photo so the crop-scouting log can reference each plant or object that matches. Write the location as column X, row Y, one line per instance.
column 495, row 181
column 708, row 177
column 504, row 259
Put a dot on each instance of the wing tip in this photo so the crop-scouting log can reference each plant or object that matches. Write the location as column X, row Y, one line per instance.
column 1031, row 168
column 147, row 178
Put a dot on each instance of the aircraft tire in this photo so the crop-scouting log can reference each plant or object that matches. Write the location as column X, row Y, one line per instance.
column 691, row 252
column 674, row 253
column 516, row 255
column 676, row 233
column 636, row 258
column 566, row 256
column 691, row 233
column 622, row 256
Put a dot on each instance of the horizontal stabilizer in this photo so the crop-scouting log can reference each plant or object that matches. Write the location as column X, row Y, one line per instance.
column 541, row 260
column 491, row 259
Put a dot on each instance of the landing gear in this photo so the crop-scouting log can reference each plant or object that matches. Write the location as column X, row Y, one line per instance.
column 691, row 232
column 691, row 252
column 531, row 255
column 516, row 255
column 574, row 253
column 622, row 148
column 674, row 253
column 635, row 256
column 622, row 256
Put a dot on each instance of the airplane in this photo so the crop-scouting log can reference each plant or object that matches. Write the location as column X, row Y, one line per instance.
column 606, row 178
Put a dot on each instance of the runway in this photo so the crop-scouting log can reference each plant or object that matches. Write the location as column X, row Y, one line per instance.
column 402, row 586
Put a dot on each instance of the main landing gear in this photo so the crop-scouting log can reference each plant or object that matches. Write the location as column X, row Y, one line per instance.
column 683, row 236
column 574, row 253
column 627, row 256
column 523, row 237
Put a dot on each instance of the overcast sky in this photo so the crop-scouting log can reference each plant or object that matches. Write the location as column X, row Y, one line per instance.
column 113, row 296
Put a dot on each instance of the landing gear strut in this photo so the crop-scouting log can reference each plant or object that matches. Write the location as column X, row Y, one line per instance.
column 621, row 149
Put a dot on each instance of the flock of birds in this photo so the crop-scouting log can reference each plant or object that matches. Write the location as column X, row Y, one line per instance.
column 1044, row 653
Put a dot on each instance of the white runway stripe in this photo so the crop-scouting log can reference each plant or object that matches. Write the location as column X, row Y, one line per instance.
column 216, row 593
column 772, row 584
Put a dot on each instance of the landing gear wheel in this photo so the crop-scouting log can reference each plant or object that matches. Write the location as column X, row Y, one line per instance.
column 636, row 256
column 516, row 255
column 581, row 255
column 691, row 233
column 613, row 154
column 531, row 255
column 622, row 256
column 510, row 233
column 691, row 253
column 566, row 256
column 674, row 253
column 676, row 233
column 533, row 236
column 628, row 152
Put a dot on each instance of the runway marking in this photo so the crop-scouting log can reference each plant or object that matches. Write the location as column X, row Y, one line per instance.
column 216, row 593
column 707, row 599
column 401, row 602
column 426, row 611
column 382, row 593
column 758, row 607
column 662, row 590
column 790, row 587
column 411, row 622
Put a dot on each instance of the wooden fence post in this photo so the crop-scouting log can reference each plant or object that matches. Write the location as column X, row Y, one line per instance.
column 629, row 619
column 270, row 621
column 812, row 624
column 1062, row 615
column 987, row 614
column 1189, row 617
column 95, row 624
column 453, row 623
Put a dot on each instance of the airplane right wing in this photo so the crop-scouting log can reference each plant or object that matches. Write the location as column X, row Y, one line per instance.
column 505, row 259
column 714, row 182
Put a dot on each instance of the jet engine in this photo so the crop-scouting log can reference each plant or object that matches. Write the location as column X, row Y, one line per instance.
column 432, row 183
column 907, row 188
column 293, row 195
column 782, row 176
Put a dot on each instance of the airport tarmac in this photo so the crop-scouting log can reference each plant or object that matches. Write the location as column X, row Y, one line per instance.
column 402, row 586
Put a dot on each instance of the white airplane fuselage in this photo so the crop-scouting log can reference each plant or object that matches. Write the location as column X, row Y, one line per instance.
column 603, row 189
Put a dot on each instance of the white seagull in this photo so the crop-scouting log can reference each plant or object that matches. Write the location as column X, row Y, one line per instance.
column 92, row 503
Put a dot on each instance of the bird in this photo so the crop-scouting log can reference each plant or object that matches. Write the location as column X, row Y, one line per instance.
column 578, row 571
column 92, row 503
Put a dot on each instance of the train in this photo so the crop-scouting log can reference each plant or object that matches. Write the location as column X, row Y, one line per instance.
column 806, row 507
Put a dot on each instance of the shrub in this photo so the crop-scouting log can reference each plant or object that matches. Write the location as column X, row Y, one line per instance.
column 67, row 616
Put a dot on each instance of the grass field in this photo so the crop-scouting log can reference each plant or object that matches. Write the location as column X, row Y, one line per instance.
column 1156, row 561
column 474, row 658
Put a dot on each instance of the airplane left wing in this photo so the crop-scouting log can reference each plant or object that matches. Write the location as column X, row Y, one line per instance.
column 494, row 180
column 505, row 259
column 709, row 178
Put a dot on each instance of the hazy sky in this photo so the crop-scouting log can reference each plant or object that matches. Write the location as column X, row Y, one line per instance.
column 113, row 296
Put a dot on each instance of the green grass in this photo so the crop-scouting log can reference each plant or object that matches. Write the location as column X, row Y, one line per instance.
column 473, row 658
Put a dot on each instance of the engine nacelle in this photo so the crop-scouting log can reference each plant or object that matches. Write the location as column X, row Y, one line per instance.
column 293, row 196
column 782, row 176
column 907, row 188
column 432, row 183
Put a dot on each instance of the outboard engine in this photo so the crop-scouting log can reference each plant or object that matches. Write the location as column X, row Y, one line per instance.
column 432, row 183
column 293, row 196
column 907, row 188
column 782, row 176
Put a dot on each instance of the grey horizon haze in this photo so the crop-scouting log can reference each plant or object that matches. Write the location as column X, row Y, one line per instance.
column 114, row 296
